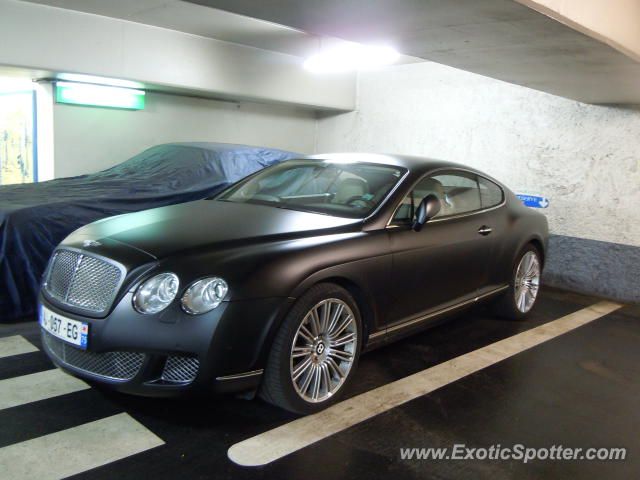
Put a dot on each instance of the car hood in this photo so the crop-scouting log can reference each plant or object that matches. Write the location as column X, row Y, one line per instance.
column 210, row 223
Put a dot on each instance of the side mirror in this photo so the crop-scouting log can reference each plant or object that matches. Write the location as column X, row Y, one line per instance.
column 429, row 207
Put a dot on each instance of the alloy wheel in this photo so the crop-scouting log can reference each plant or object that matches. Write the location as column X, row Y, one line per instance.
column 323, row 350
column 527, row 281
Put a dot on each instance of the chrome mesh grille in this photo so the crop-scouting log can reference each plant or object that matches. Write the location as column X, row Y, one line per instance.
column 180, row 369
column 113, row 365
column 82, row 281
column 61, row 272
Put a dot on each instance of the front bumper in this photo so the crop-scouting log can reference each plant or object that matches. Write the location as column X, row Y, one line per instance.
column 172, row 353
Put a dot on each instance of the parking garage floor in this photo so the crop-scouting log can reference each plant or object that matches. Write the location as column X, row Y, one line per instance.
column 54, row 426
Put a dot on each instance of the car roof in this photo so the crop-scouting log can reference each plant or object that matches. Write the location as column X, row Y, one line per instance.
column 416, row 165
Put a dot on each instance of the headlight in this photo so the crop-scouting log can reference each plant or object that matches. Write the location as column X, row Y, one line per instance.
column 204, row 295
column 157, row 293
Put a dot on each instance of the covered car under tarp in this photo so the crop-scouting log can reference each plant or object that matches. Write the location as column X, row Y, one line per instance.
column 34, row 218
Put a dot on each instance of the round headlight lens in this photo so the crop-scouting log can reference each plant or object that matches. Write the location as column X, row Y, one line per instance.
column 204, row 295
column 156, row 294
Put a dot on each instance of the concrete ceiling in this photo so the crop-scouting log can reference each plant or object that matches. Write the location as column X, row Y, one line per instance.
column 497, row 38
column 198, row 20
column 205, row 22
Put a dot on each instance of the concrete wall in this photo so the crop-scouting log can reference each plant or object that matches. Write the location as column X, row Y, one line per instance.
column 585, row 158
column 90, row 139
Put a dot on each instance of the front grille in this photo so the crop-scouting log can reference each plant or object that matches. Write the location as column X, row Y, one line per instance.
column 112, row 365
column 82, row 281
column 180, row 369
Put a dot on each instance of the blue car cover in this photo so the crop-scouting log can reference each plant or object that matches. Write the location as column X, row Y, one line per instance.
column 35, row 217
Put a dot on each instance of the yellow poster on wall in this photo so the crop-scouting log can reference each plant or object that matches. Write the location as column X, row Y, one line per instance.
column 17, row 155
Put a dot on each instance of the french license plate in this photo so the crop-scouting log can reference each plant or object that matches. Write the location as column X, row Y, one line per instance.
column 71, row 331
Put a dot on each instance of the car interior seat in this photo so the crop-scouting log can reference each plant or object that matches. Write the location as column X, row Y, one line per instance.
column 348, row 188
column 464, row 200
column 424, row 188
column 431, row 186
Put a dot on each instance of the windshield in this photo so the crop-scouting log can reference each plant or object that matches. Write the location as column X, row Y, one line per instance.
column 352, row 190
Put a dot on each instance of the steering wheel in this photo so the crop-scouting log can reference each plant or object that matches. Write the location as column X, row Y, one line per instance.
column 358, row 199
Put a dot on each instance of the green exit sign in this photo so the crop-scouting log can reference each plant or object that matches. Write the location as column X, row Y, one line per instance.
column 99, row 95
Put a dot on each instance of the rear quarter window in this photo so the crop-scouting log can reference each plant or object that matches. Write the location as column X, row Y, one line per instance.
column 490, row 193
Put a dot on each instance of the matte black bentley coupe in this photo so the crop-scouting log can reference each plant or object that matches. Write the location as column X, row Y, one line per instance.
column 278, row 283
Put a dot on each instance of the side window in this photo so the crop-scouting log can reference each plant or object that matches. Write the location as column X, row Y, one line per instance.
column 461, row 193
column 458, row 192
column 408, row 205
column 490, row 193
column 404, row 213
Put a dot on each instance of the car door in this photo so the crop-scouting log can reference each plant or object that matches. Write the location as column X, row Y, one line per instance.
column 446, row 262
column 493, row 203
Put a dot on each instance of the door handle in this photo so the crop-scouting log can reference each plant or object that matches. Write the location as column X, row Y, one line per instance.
column 485, row 230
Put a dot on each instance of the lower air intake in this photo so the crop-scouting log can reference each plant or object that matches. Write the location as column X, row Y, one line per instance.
column 180, row 369
column 111, row 365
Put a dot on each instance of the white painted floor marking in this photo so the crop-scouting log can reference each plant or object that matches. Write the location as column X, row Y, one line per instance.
column 15, row 345
column 37, row 386
column 281, row 441
column 75, row 450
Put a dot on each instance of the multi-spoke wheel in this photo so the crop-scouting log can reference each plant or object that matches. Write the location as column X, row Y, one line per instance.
column 315, row 351
column 527, row 281
column 521, row 296
column 323, row 349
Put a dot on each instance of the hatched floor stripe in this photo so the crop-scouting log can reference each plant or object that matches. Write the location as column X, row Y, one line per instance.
column 281, row 441
column 15, row 345
column 37, row 386
column 75, row 450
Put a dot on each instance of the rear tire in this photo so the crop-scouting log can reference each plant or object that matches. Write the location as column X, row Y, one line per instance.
column 315, row 351
column 519, row 299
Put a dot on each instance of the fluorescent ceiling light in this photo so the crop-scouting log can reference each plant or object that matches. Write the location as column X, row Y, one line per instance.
column 99, row 95
column 115, row 82
column 351, row 57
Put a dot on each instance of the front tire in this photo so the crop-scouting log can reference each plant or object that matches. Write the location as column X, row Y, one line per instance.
column 315, row 351
column 518, row 301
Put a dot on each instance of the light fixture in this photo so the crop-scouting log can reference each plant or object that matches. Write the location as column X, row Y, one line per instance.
column 99, row 95
column 350, row 57
column 156, row 293
column 204, row 295
column 112, row 82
